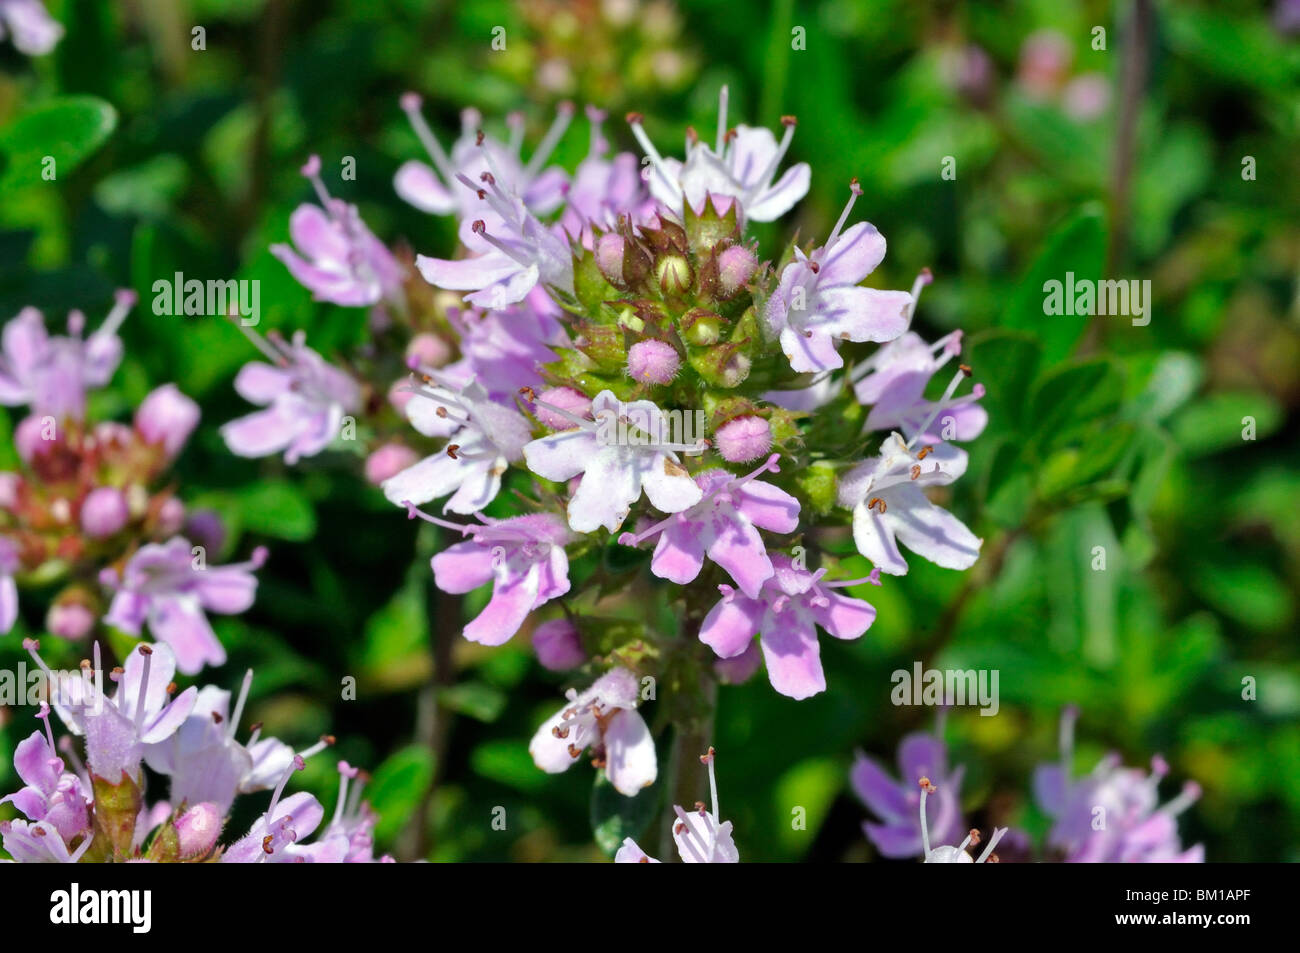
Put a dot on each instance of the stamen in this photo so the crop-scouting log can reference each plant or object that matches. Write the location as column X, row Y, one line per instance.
column 998, row 834
column 239, row 704
column 720, row 142
column 123, row 301
column 311, row 172
column 411, row 106
column 144, row 686
column 413, row 512
column 926, row 788
column 762, row 181
column 648, row 147
column 325, row 741
column 854, row 191
column 563, row 115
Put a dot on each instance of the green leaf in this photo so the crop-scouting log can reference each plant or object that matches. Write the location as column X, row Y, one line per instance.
column 1217, row 422
column 1006, row 362
column 615, row 816
column 276, row 508
column 475, row 699
column 398, row 787
column 67, row 130
column 1078, row 246
column 1082, row 391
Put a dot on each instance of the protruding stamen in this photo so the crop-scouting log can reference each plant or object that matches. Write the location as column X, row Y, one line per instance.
column 411, row 106
column 563, row 115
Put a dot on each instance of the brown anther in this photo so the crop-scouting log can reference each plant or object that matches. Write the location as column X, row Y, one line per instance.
column 679, row 828
column 814, row 267
column 267, row 841
column 441, row 412
column 925, row 452
column 482, row 194
column 855, row 186
column 217, row 717
column 598, row 762
column 635, row 118
column 574, row 751
column 255, row 727
column 916, row 471
column 451, row 450
column 479, row 227
column 117, row 672
column 974, row 837
column 329, row 740
column 643, row 860
column 926, row 785
column 965, row 369
column 789, row 121
column 992, row 859
column 699, row 806
column 707, row 757
column 85, row 665
column 478, row 138
column 874, row 502
column 146, row 650
column 729, row 135
column 528, row 392
column 488, row 177
column 38, row 831
column 171, row 688
column 692, row 135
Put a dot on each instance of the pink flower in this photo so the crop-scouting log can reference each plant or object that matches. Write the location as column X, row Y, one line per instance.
column 699, row 836
column 168, row 586
column 168, row 417
column 786, row 614
column 305, row 398
column 52, row 374
column 617, row 464
column 558, row 645
column 484, row 438
column 337, row 258
column 819, row 302
column 889, row 506
column 724, row 526
column 524, row 559
column 603, row 718
column 434, row 190
column 741, row 165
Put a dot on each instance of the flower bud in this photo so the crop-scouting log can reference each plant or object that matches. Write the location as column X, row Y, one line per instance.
column 197, row 830
column 399, row 395
column 673, row 274
column 653, row 362
column 428, row 350
column 104, row 512
column 388, row 461
column 735, row 267
column 206, row 528
column 171, row 516
column 743, row 438
column 703, row 327
column 31, row 436
column 558, row 645
column 609, row 257
column 10, row 483
column 565, row 398
column 168, row 417
column 70, row 620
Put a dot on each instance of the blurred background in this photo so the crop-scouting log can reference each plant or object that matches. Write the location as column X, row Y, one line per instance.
column 1171, row 153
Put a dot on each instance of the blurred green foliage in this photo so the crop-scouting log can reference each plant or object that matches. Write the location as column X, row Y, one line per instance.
column 1102, row 434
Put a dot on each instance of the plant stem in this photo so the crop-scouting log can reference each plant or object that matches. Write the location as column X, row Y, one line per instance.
column 687, row 778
